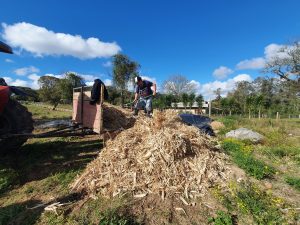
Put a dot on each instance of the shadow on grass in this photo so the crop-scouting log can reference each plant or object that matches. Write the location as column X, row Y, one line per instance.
column 19, row 213
column 41, row 158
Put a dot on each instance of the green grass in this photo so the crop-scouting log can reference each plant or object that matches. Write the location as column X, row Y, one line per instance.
column 242, row 156
column 261, row 205
column 8, row 177
column 42, row 168
column 292, row 153
column 39, row 112
column 252, row 205
column 222, row 218
column 100, row 211
column 294, row 182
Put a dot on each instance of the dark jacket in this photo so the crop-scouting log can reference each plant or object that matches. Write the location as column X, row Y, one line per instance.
column 96, row 90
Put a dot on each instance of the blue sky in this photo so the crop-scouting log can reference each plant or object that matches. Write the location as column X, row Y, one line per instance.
column 213, row 43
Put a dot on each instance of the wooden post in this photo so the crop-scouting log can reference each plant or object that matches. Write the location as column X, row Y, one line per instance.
column 209, row 109
column 81, row 105
column 101, row 107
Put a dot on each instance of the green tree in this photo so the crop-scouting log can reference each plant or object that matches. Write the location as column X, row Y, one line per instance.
column 50, row 90
column 250, row 102
column 185, row 99
column 191, row 97
column 199, row 99
column 67, row 83
column 124, row 71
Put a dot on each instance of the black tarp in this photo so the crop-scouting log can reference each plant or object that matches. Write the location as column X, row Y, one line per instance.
column 96, row 90
column 5, row 48
column 202, row 122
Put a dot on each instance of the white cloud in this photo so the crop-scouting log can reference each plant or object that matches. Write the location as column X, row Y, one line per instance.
column 222, row 72
column 8, row 80
column 43, row 42
column 255, row 63
column 108, row 82
column 34, row 78
column 59, row 76
column 90, row 78
column 273, row 50
column 242, row 77
column 107, row 64
column 207, row 89
column 9, row 61
column 195, row 84
column 32, row 81
column 18, row 82
column 26, row 70
column 152, row 79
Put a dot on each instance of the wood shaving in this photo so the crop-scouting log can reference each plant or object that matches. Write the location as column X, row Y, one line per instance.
column 154, row 154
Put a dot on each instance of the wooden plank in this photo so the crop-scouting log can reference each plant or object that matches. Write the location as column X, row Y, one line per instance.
column 89, row 115
column 101, row 108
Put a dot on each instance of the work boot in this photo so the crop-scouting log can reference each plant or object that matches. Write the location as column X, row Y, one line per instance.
column 136, row 112
column 148, row 114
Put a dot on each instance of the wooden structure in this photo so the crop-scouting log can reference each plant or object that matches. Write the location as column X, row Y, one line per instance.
column 194, row 109
column 85, row 114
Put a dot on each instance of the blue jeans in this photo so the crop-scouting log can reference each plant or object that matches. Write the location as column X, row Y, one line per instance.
column 144, row 103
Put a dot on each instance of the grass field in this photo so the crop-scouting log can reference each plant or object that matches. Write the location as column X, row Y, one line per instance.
column 264, row 189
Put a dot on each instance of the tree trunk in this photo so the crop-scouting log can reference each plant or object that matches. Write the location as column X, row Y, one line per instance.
column 259, row 114
column 122, row 98
column 229, row 112
column 249, row 114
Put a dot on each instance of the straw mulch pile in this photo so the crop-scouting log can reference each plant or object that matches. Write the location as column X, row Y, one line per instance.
column 116, row 118
column 159, row 155
column 217, row 126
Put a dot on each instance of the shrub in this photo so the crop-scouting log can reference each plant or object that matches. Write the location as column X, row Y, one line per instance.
column 222, row 218
column 7, row 178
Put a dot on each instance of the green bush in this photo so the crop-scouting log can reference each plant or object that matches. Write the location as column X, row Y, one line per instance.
column 222, row 218
column 242, row 156
column 7, row 178
column 295, row 182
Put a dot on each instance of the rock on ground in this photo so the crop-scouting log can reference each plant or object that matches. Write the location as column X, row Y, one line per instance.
column 245, row 134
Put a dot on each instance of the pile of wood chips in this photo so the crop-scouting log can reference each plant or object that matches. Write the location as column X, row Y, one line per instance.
column 116, row 118
column 158, row 155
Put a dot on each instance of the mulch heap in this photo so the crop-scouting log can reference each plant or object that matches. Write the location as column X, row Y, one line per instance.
column 159, row 155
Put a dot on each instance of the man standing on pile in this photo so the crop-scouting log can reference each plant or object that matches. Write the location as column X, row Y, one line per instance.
column 143, row 95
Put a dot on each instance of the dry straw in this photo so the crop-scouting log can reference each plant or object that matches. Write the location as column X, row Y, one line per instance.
column 160, row 155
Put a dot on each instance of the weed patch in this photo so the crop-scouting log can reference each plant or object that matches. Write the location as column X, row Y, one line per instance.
column 262, row 206
column 222, row 218
column 295, row 182
column 292, row 153
column 7, row 178
column 113, row 217
column 247, row 199
column 242, row 156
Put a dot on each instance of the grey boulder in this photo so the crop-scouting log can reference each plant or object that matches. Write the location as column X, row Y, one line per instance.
column 245, row 134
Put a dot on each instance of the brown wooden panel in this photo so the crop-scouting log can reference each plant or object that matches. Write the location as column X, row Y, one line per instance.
column 92, row 114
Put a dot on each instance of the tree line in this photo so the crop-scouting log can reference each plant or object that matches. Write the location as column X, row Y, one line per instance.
column 264, row 96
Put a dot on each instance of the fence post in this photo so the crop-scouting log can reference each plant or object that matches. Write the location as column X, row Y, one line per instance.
column 209, row 109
